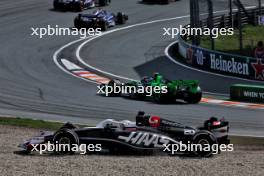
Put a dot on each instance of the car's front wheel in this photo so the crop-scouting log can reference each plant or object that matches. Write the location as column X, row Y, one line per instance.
column 164, row 1
column 65, row 140
column 80, row 6
column 112, row 86
column 162, row 98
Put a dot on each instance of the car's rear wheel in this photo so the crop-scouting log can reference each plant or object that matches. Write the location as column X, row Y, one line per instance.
column 204, row 142
column 120, row 19
column 104, row 2
column 55, row 5
column 193, row 98
column 103, row 25
column 80, row 7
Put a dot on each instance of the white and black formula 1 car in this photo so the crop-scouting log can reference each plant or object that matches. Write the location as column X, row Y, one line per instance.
column 146, row 135
column 100, row 19
column 78, row 5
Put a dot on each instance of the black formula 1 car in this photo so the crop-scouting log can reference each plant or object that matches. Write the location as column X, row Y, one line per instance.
column 146, row 135
column 100, row 19
column 78, row 5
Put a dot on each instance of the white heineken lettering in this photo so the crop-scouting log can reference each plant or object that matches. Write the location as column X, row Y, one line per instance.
column 230, row 66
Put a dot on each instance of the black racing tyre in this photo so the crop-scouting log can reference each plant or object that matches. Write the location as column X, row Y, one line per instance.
column 55, row 5
column 77, row 23
column 112, row 83
column 193, row 98
column 164, row 2
column 103, row 25
column 206, row 140
column 80, row 6
column 67, row 137
column 104, row 2
column 120, row 18
column 162, row 98
column 158, row 98
column 138, row 96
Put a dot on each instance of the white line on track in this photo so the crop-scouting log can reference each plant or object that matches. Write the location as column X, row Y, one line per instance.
column 136, row 25
column 119, row 29
column 55, row 59
column 89, row 39
column 55, row 55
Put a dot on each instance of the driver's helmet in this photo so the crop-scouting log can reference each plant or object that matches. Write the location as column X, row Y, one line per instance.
column 157, row 77
column 212, row 122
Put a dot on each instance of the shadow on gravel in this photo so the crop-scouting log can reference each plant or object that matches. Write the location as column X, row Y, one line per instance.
column 25, row 153
column 107, row 154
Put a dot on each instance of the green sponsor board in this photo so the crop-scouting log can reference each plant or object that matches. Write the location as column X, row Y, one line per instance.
column 250, row 93
column 222, row 63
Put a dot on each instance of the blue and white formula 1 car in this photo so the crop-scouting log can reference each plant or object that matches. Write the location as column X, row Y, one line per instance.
column 100, row 19
column 78, row 5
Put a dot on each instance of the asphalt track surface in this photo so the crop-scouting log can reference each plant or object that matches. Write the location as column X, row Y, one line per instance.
column 31, row 85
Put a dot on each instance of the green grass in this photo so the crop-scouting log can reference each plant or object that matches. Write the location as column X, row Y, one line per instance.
column 30, row 123
column 230, row 44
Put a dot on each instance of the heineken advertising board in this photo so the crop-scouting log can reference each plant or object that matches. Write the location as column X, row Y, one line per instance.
column 223, row 63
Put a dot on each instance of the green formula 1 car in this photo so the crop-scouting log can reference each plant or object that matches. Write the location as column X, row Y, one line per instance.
column 156, row 88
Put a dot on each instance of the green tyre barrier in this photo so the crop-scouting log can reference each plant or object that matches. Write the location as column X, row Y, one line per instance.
column 249, row 93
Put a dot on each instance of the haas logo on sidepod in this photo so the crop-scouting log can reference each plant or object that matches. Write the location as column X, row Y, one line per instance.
column 146, row 139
